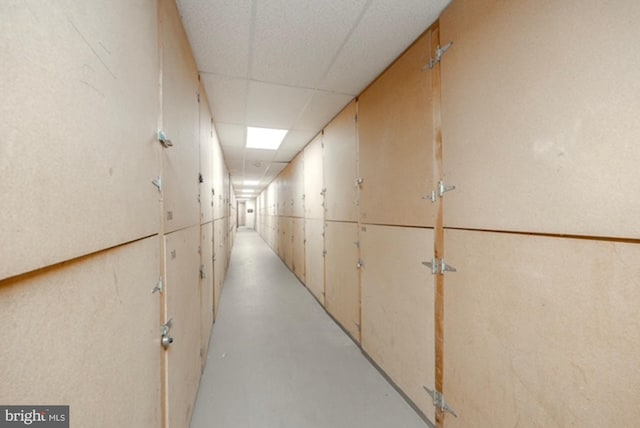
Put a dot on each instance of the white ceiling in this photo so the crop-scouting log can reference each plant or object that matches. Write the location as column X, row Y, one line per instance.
column 292, row 64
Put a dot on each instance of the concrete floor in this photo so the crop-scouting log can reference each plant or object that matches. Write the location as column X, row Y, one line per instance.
column 276, row 359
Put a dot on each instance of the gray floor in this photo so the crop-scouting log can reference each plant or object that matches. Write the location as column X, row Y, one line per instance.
column 276, row 359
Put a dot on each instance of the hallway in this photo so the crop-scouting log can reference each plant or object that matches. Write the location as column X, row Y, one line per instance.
column 276, row 359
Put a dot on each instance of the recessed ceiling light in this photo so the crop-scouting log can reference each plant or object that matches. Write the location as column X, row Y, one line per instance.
column 251, row 182
column 265, row 138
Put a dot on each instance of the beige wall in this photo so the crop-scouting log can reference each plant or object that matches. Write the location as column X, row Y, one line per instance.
column 86, row 235
column 531, row 114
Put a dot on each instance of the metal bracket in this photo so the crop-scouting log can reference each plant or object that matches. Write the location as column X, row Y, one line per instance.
column 159, row 286
column 432, row 196
column 438, row 401
column 360, row 264
column 158, row 183
column 440, row 51
column 166, row 327
column 439, row 267
column 164, row 332
column 166, row 143
column 442, row 188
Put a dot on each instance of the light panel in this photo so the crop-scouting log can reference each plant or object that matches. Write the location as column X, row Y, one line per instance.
column 265, row 138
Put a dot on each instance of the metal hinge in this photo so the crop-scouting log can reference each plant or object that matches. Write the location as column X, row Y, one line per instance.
column 324, row 253
column 323, row 192
column 360, row 264
column 202, row 274
column 359, row 181
column 440, row 51
column 438, row 401
column 164, row 140
column 440, row 191
column 357, row 244
column 159, row 286
column 198, row 97
column 158, row 183
column 439, row 267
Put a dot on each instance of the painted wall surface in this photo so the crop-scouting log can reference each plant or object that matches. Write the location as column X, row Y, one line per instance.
column 251, row 214
column 76, row 165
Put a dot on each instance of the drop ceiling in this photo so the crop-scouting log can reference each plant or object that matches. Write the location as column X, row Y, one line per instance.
column 292, row 64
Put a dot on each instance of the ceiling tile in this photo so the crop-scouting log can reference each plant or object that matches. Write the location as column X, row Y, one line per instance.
column 259, row 155
column 275, row 106
column 231, row 135
column 378, row 41
column 296, row 140
column 295, row 41
column 322, row 108
column 219, row 32
column 233, row 153
column 285, row 155
column 227, row 97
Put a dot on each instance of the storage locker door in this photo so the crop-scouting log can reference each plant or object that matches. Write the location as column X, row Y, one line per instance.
column 206, row 288
column 78, row 123
column 539, row 135
column 340, row 167
column 182, row 300
column 541, row 331
column 342, row 284
column 86, row 333
column 314, row 260
column 297, row 185
column 396, row 142
column 398, row 308
column 313, row 179
column 218, row 264
column 298, row 248
column 180, row 116
column 207, row 143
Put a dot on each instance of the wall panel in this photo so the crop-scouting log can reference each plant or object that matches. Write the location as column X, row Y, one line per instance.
column 314, row 261
column 297, row 185
column 86, row 334
column 313, row 177
column 396, row 143
column 544, row 329
column 206, row 288
column 398, row 307
column 180, row 117
column 76, row 167
column 298, row 256
column 208, row 140
column 342, row 282
column 183, row 300
column 219, row 256
column 539, row 135
column 340, row 166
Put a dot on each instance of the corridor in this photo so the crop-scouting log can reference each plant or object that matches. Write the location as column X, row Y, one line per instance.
column 276, row 359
